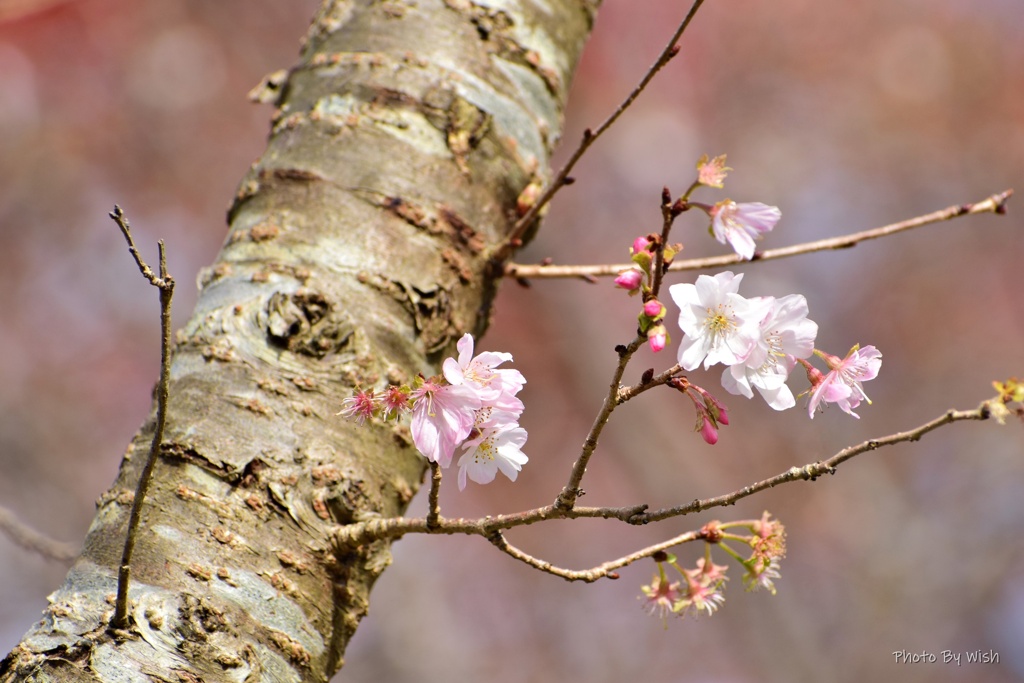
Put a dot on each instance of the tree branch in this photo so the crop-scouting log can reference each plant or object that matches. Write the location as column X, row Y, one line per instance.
column 993, row 204
column 30, row 539
column 812, row 471
column 165, row 283
column 490, row 527
column 590, row 137
column 605, row 569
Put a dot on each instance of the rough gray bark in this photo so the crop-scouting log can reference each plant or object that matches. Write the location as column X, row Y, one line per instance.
column 358, row 252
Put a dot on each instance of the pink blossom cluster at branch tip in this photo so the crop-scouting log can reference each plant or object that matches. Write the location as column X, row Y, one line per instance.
column 473, row 406
column 842, row 385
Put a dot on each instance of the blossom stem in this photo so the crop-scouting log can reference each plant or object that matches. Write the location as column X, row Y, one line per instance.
column 605, row 569
column 993, row 204
column 434, row 511
column 591, row 136
column 567, row 498
column 658, row 271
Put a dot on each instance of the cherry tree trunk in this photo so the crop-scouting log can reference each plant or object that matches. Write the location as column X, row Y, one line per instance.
column 361, row 246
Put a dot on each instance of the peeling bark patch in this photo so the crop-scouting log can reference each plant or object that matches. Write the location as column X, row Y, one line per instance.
column 282, row 583
column 222, row 349
column 291, row 648
column 320, row 506
column 255, row 503
column 290, row 561
column 457, row 264
column 304, row 383
column 198, row 571
column 119, row 496
column 263, row 231
column 185, row 493
column 254, row 405
column 467, row 126
column 324, row 475
column 224, row 575
column 307, row 324
column 461, row 229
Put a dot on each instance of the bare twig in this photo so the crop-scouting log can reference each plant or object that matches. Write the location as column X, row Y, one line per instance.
column 994, row 204
column 165, row 283
column 567, row 498
column 594, row 573
column 591, row 136
column 812, row 471
column 434, row 513
column 30, row 539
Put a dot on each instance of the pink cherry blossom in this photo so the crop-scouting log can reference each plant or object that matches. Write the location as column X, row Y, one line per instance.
column 719, row 325
column 712, row 172
column 786, row 334
column 478, row 373
column 740, row 224
column 842, row 385
column 493, row 450
column 360, row 407
column 442, row 418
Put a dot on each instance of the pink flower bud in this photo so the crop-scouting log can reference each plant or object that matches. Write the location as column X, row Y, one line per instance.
column 657, row 337
column 640, row 244
column 708, row 431
column 653, row 308
column 629, row 279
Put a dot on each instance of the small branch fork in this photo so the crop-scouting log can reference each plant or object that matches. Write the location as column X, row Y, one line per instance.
column 492, row 527
column 165, row 283
column 993, row 204
column 590, row 137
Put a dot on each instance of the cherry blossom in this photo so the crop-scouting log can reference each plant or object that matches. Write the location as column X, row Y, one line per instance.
column 786, row 334
column 360, row 407
column 442, row 418
column 842, row 385
column 719, row 325
column 740, row 224
column 478, row 372
column 494, row 449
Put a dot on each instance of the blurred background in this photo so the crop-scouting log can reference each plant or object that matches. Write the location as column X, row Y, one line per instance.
column 845, row 115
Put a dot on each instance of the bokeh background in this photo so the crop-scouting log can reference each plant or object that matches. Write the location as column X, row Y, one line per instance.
column 846, row 115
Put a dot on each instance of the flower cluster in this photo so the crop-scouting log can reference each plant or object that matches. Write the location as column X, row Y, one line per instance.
column 758, row 340
column 737, row 224
column 700, row 589
column 638, row 280
column 473, row 406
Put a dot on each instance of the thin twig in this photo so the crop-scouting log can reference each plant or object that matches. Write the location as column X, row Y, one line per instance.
column 30, row 539
column 590, row 137
column 165, row 283
column 812, row 471
column 567, row 498
column 392, row 528
column 434, row 513
column 594, row 573
column 993, row 204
